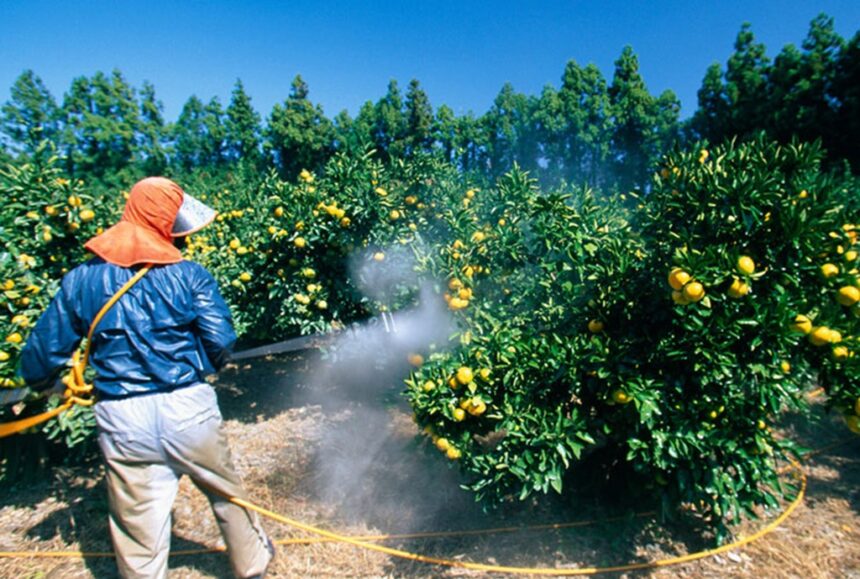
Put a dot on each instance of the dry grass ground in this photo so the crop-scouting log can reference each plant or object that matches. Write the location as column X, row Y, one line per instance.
column 353, row 464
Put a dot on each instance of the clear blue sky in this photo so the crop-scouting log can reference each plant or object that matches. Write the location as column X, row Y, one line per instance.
column 461, row 51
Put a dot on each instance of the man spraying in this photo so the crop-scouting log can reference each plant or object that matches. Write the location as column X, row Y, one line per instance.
column 157, row 418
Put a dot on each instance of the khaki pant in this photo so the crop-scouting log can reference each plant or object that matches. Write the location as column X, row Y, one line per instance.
column 148, row 443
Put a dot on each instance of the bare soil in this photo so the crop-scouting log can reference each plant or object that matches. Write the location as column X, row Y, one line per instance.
column 352, row 463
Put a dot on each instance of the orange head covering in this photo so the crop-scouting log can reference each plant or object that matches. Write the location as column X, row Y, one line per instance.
column 143, row 234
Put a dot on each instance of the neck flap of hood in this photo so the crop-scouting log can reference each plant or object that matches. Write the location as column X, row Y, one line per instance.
column 143, row 233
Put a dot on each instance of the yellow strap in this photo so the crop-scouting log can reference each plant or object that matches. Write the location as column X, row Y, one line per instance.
column 77, row 388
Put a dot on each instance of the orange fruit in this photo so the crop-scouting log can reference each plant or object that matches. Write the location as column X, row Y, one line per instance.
column 819, row 336
column 595, row 326
column 746, row 265
column 829, row 270
column 678, row 278
column 801, row 324
column 679, row 298
column 694, row 291
column 848, row 295
column 738, row 289
column 464, row 375
column 621, row 397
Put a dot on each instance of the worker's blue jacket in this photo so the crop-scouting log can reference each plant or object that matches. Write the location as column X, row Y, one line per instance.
column 168, row 331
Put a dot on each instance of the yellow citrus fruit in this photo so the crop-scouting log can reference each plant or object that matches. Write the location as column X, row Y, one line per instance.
column 272, row 230
column 470, row 193
column 453, row 453
column 476, row 407
column 829, row 270
column 50, row 210
column 4, row 356
column 850, row 255
column 244, row 276
column 378, row 256
column 595, row 326
column 679, row 298
column 299, row 242
column 848, row 295
column 746, row 265
column 801, row 324
column 443, row 444
column 678, row 278
column 465, row 294
column 87, row 215
column 457, row 304
column 428, row 386
column 840, row 353
column 738, row 289
column 279, row 211
column 761, row 424
column 785, row 366
column 242, row 250
column 235, row 243
column 394, row 215
column 621, row 397
column 694, row 291
column 484, row 373
column 803, row 194
column 14, row 338
column 464, row 375
column 459, row 414
column 345, row 222
column 820, row 336
column 478, row 237
column 309, row 272
column 455, row 284
column 322, row 305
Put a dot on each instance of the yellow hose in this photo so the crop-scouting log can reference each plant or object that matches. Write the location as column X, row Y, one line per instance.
column 363, row 543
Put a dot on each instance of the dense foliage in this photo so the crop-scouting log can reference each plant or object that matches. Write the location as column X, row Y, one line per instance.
column 661, row 321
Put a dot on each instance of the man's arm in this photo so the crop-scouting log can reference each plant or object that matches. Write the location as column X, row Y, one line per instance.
column 51, row 343
column 213, row 321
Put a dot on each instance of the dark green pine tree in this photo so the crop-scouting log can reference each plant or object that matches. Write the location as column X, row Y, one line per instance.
column 746, row 85
column 846, row 94
column 634, row 124
column 584, row 139
column 187, row 135
column 419, row 120
column 242, row 129
column 298, row 134
column 356, row 134
column 444, row 132
column 100, row 125
column 471, row 144
column 152, row 133
column 214, row 121
column 389, row 131
column 509, row 135
column 30, row 116
column 803, row 92
column 711, row 120
column 549, row 121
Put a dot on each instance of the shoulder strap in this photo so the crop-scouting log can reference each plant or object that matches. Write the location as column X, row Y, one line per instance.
column 75, row 380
